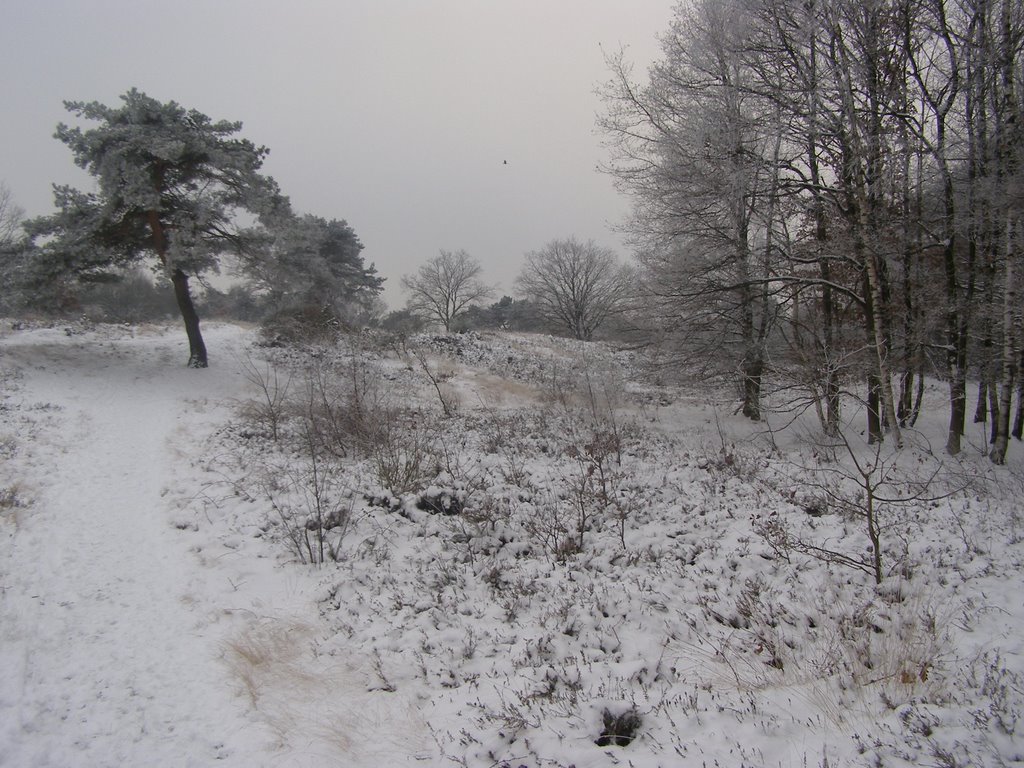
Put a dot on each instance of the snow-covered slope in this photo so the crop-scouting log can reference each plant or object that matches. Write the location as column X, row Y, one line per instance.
column 153, row 610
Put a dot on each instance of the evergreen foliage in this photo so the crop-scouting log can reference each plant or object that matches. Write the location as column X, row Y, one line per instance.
column 171, row 183
column 309, row 261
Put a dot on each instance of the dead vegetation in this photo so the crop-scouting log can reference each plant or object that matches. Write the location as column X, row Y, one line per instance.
column 577, row 559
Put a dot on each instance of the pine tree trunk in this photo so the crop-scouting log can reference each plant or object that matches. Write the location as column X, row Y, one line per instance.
column 196, row 345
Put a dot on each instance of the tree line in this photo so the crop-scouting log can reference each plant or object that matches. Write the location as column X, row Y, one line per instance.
column 827, row 201
column 830, row 191
column 570, row 287
column 177, row 188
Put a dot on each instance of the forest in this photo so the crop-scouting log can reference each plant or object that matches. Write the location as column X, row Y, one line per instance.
column 833, row 190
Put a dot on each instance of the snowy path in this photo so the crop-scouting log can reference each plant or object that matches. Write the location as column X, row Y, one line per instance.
column 125, row 641
column 110, row 645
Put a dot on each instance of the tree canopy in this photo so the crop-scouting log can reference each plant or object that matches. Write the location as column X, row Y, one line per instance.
column 576, row 286
column 311, row 261
column 830, row 191
column 445, row 287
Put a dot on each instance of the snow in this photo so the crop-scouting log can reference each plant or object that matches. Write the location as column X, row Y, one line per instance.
column 153, row 611
column 118, row 628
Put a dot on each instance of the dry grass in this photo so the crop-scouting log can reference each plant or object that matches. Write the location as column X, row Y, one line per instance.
column 316, row 702
column 269, row 655
column 888, row 654
column 496, row 391
column 13, row 502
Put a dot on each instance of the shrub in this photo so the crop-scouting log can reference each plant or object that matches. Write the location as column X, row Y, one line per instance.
column 403, row 457
column 306, row 324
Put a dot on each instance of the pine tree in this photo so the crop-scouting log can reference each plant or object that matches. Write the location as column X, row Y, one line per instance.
column 170, row 184
column 311, row 262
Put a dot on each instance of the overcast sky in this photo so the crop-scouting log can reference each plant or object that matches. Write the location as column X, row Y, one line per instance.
column 395, row 115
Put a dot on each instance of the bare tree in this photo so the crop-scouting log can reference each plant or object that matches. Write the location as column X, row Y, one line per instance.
column 445, row 287
column 11, row 216
column 856, row 166
column 577, row 286
column 14, row 252
column 700, row 156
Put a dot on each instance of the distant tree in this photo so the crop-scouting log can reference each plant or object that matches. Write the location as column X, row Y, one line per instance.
column 14, row 250
column 11, row 217
column 132, row 298
column 310, row 261
column 523, row 315
column 171, row 184
column 445, row 287
column 401, row 322
column 239, row 302
column 506, row 314
column 576, row 286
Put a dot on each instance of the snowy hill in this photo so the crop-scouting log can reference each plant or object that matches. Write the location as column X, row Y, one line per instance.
column 478, row 550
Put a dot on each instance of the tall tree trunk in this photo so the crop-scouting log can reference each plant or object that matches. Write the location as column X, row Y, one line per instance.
column 906, row 397
column 752, row 371
column 1008, row 140
column 831, row 367
column 755, row 364
column 832, row 402
column 875, row 434
column 937, row 98
column 860, row 138
column 1018, row 421
column 981, row 405
column 752, row 364
column 196, row 346
column 1008, row 371
column 881, row 409
column 875, row 431
column 993, row 410
column 1018, row 430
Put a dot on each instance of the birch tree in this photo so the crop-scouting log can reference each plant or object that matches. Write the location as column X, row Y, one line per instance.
column 699, row 155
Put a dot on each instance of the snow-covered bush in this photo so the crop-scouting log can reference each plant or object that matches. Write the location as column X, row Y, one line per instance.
column 403, row 453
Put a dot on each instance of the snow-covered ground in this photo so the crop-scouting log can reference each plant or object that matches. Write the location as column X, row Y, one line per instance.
column 119, row 627
column 576, row 565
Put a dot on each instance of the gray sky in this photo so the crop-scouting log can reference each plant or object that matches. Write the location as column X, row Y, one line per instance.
column 395, row 115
